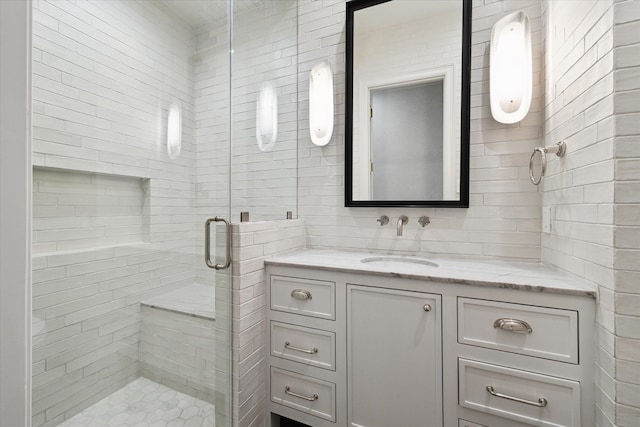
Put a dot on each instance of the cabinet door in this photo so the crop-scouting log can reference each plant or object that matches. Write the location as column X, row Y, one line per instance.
column 394, row 350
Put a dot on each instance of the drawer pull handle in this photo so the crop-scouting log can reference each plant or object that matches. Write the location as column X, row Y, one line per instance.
column 288, row 345
column 300, row 294
column 541, row 403
column 287, row 390
column 427, row 307
column 513, row 325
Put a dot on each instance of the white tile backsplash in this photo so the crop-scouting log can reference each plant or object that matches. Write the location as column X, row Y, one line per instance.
column 502, row 199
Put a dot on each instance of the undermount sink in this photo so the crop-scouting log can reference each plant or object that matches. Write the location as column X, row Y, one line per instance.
column 390, row 261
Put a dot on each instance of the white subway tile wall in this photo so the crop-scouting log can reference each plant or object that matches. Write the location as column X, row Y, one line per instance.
column 264, row 51
column 212, row 128
column 253, row 243
column 78, row 210
column 87, row 308
column 626, row 217
column 179, row 350
column 503, row 220
column 589, row 104
column 113, row 214
column 105, row 75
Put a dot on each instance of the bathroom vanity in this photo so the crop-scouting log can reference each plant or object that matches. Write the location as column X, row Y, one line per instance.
column 358, row 339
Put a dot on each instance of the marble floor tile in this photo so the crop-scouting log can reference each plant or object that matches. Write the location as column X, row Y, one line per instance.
column 144, row 403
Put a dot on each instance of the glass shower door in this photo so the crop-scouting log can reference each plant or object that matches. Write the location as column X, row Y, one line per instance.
column 131, row 155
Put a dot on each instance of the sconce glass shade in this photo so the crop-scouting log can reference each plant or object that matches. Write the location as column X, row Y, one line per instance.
column 511, row 68
column 267, row 117
column 174, row 131
column 321, row 103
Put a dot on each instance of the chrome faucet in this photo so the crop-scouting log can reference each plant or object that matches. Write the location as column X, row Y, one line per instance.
column 401, row 222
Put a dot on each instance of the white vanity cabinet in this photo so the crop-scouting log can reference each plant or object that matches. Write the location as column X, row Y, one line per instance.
column 394, row 357
column 368, row 349
column 521, row 364
column 306, row 342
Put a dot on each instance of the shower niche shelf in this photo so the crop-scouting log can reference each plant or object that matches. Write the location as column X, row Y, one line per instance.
column 78, row 210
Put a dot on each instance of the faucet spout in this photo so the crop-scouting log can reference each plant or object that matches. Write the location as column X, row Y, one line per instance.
column 403, row 220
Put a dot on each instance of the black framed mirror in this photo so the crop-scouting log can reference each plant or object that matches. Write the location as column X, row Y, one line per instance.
column 407, row 103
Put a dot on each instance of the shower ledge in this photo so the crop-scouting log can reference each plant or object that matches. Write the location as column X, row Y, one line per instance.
column 61, row 253
column 196, row 300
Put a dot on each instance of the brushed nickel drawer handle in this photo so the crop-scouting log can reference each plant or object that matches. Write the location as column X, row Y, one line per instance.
column 300, row 294
column 513, row 325
column 313, row 398
column 541, row 403
column 427, row 307
column 288, row 345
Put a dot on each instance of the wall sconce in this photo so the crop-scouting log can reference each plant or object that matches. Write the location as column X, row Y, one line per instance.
column 267, row 117
column 321, row 103
column 174, row 130
column 510, row 68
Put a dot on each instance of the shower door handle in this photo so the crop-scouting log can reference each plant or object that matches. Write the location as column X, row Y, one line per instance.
column 207, row 243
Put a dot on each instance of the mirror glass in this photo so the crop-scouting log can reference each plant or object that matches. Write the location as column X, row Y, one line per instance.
column 407, row 106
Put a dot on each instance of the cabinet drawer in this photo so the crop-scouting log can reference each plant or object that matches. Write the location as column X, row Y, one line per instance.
column 465, row 423
column 523, row 396
column 310, row 395
column 308, row 297
column 553, row 335
column 309, row 346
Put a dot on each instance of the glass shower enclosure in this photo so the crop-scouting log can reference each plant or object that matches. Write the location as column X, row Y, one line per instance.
column 150, row 117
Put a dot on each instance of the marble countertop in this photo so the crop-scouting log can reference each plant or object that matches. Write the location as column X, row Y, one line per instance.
column 533, row 277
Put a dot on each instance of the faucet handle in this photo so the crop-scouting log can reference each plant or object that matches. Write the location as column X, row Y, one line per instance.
column 383, row 220
column 424, row 220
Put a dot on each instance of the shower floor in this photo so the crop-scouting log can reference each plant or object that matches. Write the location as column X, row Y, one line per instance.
column 144, row 403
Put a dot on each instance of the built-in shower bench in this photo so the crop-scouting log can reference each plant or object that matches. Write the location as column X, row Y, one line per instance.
column 177, row 340
column 193, row 300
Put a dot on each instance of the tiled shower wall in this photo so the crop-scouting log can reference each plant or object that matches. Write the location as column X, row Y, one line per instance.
column 74, row 210
column 112, row 213
column 105, row 74
column 179, row 350
column 211, row 91
column 593, row 63
column 264, row 50
column 503, row 220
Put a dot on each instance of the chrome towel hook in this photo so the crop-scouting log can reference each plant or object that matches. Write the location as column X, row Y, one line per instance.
column 558, row 149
